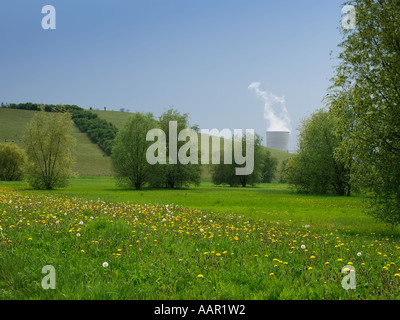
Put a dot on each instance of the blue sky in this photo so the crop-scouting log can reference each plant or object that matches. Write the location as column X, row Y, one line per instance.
column 198, row 55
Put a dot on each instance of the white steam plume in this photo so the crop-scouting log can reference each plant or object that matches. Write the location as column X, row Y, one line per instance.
column 275, row 111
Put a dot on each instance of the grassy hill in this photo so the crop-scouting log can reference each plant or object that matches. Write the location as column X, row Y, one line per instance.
column 119, row 118
column 90, row 160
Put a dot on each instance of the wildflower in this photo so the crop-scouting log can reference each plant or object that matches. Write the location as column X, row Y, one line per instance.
column 359, row 254
column 339, row 260
column 81, row 222
column 201, row 230
column 397, row 274
column 271, row 274
column 218, row 254
column 78, row 234
column 312, row 257
column 105, row 264
column 350, row 263
column 200, row 276
column 303, row 246
column 309, row 268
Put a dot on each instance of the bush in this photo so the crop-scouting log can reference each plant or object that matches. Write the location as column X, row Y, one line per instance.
column 12, row 162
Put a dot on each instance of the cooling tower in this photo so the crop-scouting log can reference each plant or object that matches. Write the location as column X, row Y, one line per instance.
column 278, row 140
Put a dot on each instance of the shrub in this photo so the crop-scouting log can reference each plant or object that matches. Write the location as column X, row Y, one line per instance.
column 12, row 162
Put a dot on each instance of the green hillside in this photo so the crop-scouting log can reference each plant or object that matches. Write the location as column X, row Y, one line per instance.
column 118, row 119
column 90, row 160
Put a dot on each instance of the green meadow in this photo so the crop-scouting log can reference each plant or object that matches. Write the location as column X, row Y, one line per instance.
column 207, row 242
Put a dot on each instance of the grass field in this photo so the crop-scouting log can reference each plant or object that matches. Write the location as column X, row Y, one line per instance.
column 206, row 242
column 197, row 243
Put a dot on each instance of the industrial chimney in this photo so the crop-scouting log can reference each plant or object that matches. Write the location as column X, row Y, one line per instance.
column 278, row 140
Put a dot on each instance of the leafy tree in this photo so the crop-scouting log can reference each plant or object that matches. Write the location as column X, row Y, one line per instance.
column 175, row 175
column 315, row 168
column 268, row 167
column 224, row 173
column 48, row 145
column 129, row 151
column 12, row 162
column 365, row 98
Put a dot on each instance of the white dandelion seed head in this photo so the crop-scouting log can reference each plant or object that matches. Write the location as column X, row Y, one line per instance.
column 303, row 246
column 105, row 264
column 78, row 234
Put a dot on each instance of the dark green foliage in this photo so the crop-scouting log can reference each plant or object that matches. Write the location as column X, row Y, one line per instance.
column 365, row 99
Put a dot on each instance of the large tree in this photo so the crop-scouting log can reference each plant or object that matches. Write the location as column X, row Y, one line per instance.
column 174, row 173
column 48, row 144
column 226, row 173
column 315, row 167
column 365, row 98
column 268, row 167
column 129, row 151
